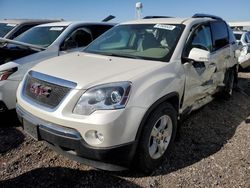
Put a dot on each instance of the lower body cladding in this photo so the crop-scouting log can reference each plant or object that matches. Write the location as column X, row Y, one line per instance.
column 70, row 143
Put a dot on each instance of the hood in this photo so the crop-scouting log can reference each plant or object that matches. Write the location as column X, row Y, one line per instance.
column 87, row 70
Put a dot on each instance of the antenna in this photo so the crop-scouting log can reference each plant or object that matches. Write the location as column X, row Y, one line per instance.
column 138, row 7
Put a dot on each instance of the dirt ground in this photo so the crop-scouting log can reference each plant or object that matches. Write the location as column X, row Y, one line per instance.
column 212, row 150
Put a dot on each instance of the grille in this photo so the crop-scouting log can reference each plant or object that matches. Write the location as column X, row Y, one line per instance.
column 44, row 93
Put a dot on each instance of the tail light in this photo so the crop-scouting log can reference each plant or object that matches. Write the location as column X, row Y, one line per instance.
column 4, row 75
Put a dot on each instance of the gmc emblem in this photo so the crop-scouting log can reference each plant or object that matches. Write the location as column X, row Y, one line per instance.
column 40, row 90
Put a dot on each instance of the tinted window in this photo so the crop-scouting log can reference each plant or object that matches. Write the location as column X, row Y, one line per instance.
column 78, row 38
column 5, row 28
column 97, row 30
column 220, row 34
column 201, row 38
column 232, row 38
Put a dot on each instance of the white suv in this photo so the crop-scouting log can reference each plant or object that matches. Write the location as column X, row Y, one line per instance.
column 117, row 103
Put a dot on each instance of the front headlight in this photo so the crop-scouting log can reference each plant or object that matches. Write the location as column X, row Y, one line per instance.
column 103, row 97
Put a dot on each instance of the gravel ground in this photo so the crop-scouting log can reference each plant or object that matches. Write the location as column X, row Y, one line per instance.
column 212, row 150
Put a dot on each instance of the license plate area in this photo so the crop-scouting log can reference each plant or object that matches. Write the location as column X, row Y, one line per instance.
column 31, row 129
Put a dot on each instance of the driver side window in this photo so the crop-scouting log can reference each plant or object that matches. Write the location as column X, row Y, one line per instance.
column 201, row 38
column 78, row 38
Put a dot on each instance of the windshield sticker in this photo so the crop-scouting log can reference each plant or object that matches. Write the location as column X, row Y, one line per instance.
column 11, row 25
column 56, row 29
column 167, row 27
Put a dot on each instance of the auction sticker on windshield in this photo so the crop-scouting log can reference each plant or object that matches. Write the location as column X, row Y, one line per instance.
column 163, row 26
column 56, row 29
column 11, row 25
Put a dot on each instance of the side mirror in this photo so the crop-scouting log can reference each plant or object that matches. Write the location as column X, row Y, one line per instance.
column 198, row 55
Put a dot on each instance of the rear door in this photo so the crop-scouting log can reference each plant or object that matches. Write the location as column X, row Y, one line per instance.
column 222, row 54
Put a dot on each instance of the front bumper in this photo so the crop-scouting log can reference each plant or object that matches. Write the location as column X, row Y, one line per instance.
column 69, row 142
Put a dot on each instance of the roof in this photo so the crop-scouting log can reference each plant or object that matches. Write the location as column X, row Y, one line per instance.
column 67, row 23
column 157, row 20
column 167, row 20
column 22, row 21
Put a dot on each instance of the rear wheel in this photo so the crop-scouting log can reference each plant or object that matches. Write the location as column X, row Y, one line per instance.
column 230, row 84
column 157, row 136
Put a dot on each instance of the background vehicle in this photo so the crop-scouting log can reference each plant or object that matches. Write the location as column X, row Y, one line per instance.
column 243, row 40
column 11, row 28
column 37, row 44
column 118, row 102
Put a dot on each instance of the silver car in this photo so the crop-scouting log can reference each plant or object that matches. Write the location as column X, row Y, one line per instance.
column 37, row 44
column 243, row 39
column 11, row 28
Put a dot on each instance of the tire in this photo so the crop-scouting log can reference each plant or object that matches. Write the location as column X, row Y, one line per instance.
column 156, row 138
column 230, row 84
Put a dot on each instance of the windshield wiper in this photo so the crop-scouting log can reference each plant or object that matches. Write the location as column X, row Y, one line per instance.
column 118, row 55
column 27, row 45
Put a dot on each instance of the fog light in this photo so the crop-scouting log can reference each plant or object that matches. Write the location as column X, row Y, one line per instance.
column 94, row 137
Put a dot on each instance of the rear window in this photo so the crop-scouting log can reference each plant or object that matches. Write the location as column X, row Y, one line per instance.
column 220, row 34
column 237, row 36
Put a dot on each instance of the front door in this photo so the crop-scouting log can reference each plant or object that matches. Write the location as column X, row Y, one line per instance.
column 199, row 74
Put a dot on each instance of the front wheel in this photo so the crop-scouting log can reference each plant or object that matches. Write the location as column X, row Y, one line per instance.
column 157, row 136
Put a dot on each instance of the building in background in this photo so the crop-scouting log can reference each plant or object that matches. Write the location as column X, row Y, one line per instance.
column 240, row 25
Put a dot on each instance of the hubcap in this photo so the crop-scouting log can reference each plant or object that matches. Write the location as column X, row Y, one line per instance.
column 160, row 136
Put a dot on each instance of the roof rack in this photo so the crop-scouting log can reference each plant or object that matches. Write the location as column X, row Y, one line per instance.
column 199, row 15
column 149, row 17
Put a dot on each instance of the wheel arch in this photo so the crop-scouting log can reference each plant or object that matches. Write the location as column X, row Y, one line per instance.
column 172, row 98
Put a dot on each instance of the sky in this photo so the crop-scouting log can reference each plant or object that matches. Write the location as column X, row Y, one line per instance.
column 124, row 10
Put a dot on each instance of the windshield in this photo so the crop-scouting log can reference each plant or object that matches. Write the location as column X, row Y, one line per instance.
column 41, row 36
column 144, row 41
column 6, row 28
